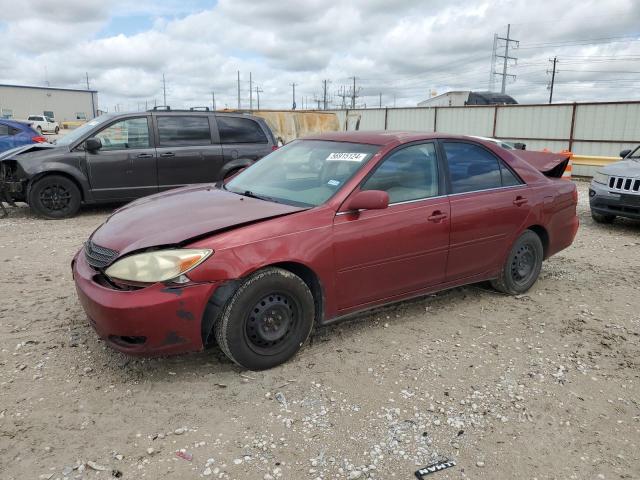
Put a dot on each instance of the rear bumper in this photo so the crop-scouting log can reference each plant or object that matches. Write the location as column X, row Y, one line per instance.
column 606, row 202
column 151, row 321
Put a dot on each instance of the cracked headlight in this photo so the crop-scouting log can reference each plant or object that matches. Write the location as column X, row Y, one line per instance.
column 158, row 266
column 602, row 178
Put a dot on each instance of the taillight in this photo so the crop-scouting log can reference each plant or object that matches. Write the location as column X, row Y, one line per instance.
column 39, row 139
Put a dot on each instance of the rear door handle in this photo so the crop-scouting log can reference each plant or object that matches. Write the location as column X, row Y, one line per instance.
column 437, row 216
column 519, row 201
column 144, row 155
column 168, row 154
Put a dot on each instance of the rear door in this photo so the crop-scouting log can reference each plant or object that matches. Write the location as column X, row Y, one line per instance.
column 125, row 167
column 381, row 254
column 188, row 150
column 489, row 205
column 242, row 138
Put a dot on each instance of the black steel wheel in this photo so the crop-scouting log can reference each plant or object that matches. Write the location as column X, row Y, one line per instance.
column 55, row 197
column 267, row 320
column 522, row 265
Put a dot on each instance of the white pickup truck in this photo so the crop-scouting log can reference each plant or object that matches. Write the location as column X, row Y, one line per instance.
column 42, row 123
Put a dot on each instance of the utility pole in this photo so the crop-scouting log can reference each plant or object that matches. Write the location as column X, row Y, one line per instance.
column 380, row 100
column 213, row 100
column 250, row 92
column 324, row 94
column 353, row 94
column 258, row 90
column 553, row 77
column 293, row 106
column 88, row 88
column 238, row 89
column 508, row 40
column 164, row 90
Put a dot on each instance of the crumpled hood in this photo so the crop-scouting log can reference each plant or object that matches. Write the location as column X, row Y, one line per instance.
column 172, row 217
column 30, row 151
column 624, row 168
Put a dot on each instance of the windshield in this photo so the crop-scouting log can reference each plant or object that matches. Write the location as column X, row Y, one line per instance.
column 303, row 172
column 79, row 132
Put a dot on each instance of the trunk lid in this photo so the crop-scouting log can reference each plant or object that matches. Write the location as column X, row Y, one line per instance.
column 548, row 163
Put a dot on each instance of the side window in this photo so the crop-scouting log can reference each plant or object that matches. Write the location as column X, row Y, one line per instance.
column 509, row 178
column 34, row 118
column 183, row 130
column 125, row 134
column 240, row 130
column 473, row 168
column 407, row 174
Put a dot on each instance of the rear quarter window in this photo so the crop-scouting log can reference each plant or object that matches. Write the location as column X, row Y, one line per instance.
column 184, row 130
column 240, row 130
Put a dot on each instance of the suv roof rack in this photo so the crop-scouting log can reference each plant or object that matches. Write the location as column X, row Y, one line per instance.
column 160, row 107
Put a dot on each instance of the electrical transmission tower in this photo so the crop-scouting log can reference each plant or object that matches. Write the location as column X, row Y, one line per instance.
column 343, row 94
column 505, row 59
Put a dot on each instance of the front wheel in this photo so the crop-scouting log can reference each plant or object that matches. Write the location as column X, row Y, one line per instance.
column 57, row 130
column 522, row 266
column 267, row 320
column 55, row 197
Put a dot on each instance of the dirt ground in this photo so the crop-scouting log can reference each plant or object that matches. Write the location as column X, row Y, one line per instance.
column 539, row 386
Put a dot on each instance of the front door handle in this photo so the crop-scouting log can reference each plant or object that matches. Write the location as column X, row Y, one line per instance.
column 519, row 201
column 144, row 155
column 437, row 216
column 168, row 154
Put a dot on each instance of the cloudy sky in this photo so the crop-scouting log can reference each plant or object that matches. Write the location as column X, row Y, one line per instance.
column 402, row 49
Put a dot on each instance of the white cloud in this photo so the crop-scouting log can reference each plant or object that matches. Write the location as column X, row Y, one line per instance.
column 402, row 49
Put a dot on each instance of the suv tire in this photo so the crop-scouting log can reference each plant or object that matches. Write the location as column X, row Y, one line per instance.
column 55, row 197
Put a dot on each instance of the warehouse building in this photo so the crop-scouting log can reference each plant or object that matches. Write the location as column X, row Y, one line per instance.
column 63, row 104
column 466, row 97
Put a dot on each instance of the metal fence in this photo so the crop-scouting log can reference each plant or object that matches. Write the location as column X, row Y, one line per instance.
column 599, row 128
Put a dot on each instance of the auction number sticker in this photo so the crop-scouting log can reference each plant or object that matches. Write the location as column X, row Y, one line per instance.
column 346, row 157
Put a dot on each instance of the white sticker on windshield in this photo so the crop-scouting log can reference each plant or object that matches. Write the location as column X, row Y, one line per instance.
column 333, row 183
column 346, row 157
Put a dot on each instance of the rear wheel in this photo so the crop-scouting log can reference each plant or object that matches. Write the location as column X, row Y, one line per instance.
column 57, row 130
column 55, row 197
column 522, row 265
column 267, row 320
column 602, row 218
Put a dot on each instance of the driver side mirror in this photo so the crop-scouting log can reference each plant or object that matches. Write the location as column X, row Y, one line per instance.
column 624, row 153
column 368, row 200
column 93, row 144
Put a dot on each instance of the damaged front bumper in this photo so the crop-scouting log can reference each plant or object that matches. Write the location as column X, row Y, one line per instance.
column 155, row 320
column 12, row 189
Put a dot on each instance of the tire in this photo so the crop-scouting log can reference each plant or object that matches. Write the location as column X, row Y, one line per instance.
column 602, row 218
column 57, row 130
column 267, row 320
column 55, row 197
column 522, row 265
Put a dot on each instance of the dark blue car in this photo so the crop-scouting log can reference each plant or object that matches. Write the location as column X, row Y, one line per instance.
column 15, row 134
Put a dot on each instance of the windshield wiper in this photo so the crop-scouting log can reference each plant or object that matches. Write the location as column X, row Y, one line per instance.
column 249, row 193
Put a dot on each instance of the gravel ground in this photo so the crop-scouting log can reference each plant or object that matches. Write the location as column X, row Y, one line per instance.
column 542, row 385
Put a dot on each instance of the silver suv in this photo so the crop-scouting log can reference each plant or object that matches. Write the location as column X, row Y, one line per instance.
column 615, row 189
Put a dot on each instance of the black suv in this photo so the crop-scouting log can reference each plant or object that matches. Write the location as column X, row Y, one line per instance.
column 121, row 157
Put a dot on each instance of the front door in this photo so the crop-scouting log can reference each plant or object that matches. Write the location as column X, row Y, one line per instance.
column 489, row 204
column 125, row 167
column 187, row 151
column 381, row 254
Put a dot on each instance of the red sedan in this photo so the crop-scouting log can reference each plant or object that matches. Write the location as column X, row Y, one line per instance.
column 318, row 230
